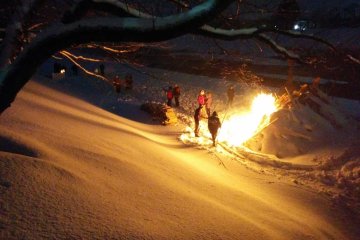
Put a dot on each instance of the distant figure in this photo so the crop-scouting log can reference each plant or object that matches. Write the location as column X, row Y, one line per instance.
column 230, row 95
column 117, row 84
column 102, row 69
column 316, row 82
column 197, row 117
column 74, row 69
column 214, row 124
column 169, row 96
column 201, row 98
column 176, row 93
column 128, row 81
column 208, row 102
column 57, row 67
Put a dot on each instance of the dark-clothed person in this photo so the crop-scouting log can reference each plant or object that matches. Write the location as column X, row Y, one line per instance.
column 128, row 81
column 214, row 124
column 117, row 84
column 102, row 69
column 197, row 117
column 74, row 69
column 230, row 95
column 176, row 93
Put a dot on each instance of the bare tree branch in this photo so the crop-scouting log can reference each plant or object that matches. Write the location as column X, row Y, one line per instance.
column 100, row 30
column 277, row 48
column 230, row 34
column 14, row 29
column 118, row 8
column 295, row 34
column 73, row 59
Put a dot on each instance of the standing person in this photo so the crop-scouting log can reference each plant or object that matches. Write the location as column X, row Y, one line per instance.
column 201, row 98
column 176, row 93
column 102, row 69
column 169, row 96
column 214, row 124
column 208, row 102
column 74, row 69
column 128, row 81
column 197, row 117
column 117, row 84
column 230, row 95
column 57, row 67
column 316, row 82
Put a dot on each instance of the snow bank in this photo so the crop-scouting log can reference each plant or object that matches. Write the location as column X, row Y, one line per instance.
column 75, row 170
column 72, row 170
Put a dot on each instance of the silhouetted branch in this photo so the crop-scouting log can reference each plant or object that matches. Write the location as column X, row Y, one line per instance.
column 109, row 29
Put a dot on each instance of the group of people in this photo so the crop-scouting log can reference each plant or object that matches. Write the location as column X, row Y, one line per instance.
column 173, row 93
column 118, row 83
column 204, row 111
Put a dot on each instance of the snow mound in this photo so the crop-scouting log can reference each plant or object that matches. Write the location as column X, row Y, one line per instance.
column 96, row 175
column 307, row 124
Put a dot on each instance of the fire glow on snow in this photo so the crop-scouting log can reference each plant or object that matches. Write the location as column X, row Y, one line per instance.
column 238, row 128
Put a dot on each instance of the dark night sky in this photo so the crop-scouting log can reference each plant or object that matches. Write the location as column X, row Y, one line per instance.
column 309, row 8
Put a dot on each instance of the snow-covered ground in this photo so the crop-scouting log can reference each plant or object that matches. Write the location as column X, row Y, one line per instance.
column 79, row 162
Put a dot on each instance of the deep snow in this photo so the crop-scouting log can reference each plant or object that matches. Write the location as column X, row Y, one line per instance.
column 71, row 168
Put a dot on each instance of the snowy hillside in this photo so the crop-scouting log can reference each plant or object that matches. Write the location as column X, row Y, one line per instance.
column 72, row 170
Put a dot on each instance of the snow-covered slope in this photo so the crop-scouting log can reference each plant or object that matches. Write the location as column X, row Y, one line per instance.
column 70, row 170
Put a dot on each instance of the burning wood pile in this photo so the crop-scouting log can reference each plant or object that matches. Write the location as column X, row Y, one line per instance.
column 307, row 119
column 318, row 101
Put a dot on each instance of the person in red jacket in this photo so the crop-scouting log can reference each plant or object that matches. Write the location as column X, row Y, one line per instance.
column 169, row 96
column 201, row 98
